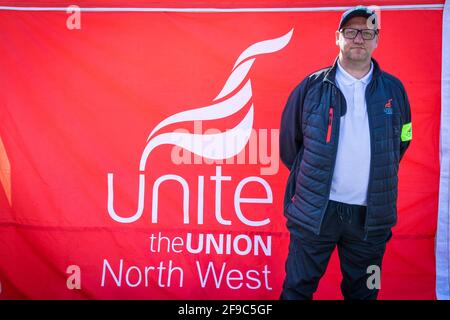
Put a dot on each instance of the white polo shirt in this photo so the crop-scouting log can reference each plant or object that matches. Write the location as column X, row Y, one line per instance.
column 351, row 172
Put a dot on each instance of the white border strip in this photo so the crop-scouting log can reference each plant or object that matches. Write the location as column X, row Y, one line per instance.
column 443, row 223
column 220, row 10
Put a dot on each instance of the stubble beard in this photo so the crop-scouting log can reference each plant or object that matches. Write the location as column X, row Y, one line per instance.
column 361, row 57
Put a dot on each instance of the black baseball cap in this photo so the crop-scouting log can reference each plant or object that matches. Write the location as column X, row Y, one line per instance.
column 359, row 11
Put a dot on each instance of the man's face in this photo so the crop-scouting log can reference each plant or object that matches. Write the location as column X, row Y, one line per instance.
column 357, row 49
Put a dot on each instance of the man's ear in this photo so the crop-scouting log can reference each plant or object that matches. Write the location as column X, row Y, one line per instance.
column 337, row 37
column 377, row 37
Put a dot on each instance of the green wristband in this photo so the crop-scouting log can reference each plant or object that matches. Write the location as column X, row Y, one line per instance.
column 407, row 132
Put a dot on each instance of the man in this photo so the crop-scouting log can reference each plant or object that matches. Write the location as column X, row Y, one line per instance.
column 343, row 132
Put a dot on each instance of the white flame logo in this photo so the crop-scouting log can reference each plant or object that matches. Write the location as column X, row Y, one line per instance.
column 232, row 140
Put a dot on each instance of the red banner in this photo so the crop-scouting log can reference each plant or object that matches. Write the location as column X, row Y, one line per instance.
column 140, row 160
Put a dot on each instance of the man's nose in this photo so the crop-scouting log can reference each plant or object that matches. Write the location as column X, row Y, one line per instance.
column 358, row 38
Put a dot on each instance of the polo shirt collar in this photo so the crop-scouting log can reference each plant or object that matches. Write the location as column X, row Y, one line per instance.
column 348, row 79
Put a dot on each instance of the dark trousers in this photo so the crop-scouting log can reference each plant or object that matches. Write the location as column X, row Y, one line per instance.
column 309, row 254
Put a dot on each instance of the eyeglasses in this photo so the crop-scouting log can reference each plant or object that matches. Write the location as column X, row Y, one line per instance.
column 366, row 34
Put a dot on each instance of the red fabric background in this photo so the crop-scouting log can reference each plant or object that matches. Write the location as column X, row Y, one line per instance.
column 77, row 104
